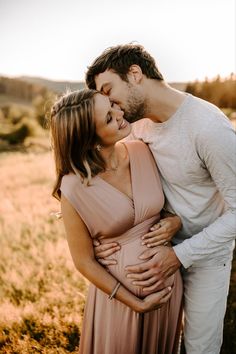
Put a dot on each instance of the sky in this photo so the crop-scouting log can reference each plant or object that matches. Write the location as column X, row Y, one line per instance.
column 58, row 39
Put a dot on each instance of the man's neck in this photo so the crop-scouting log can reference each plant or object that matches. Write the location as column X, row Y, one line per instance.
column 162, row 101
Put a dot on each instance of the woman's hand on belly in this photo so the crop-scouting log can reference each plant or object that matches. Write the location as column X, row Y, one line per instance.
column 155, row 300
column 102, row 251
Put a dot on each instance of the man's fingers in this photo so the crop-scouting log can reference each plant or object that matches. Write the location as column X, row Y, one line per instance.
column 140, row 276
column 163, row 242
column 158, row 232
column 155, row 238
column 146, row 283
column 148, row 253
column 138, row 268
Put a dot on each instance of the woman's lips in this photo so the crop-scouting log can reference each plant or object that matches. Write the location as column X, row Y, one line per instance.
column 123, row 124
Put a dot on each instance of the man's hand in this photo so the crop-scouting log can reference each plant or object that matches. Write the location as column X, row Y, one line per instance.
column 105, row 250
column 162, row 232
column 161, row 262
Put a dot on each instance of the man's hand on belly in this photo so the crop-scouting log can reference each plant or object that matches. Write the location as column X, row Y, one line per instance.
column 159, row 263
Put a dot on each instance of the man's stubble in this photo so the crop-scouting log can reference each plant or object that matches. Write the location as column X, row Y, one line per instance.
column 136, row 106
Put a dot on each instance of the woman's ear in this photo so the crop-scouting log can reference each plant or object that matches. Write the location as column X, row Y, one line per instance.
column 135, row 73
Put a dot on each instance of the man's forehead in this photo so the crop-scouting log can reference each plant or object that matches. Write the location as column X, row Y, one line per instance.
column 105, row 78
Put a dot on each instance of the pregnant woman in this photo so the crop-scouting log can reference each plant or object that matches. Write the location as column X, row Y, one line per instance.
column 111, row 191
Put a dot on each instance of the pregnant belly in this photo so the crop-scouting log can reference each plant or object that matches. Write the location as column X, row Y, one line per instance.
column 131, row 249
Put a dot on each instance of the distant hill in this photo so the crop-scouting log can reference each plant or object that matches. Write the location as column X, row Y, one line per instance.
column 179, row 85
column 62, row 86
column 56, row 86
column 22, row 90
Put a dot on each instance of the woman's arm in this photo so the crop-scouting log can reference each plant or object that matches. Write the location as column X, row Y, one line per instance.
column 82, row 252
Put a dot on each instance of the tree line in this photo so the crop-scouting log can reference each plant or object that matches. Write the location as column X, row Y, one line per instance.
column 21, row 89
column 219, row 91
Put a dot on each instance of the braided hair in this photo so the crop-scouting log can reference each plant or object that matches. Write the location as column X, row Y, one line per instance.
column 73, row 136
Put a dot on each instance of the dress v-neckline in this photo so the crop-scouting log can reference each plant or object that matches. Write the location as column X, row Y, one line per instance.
column 131, row 178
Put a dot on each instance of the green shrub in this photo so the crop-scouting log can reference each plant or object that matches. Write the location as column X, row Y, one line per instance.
column 17, row 134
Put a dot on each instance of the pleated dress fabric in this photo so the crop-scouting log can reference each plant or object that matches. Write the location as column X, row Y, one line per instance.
column 109, row 326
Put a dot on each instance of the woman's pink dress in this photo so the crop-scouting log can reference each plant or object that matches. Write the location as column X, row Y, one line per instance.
column 109, row 326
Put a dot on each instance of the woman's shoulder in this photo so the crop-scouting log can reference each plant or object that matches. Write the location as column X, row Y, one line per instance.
column 70, row 178
column 70, row 182
column 137, row 145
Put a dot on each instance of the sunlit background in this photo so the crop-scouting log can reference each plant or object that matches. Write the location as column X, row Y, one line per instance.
column 57, row 39
column 45, row 48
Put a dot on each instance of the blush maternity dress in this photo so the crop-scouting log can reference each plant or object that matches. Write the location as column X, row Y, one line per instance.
column 109, row 326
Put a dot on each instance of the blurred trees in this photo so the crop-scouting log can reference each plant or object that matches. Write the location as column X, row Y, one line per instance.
column 42, row 104
column 221, row 92
column 24, row 107
column 20, row 89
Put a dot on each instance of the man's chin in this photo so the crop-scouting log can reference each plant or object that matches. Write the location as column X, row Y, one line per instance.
column 132, row 119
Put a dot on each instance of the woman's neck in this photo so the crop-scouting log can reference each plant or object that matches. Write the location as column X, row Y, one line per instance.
column 114, row 156
column 111, row 157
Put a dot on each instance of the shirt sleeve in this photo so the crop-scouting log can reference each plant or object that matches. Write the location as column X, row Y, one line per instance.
column 216, row 147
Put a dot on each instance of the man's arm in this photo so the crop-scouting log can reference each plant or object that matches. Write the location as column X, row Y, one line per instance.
column 216, row 147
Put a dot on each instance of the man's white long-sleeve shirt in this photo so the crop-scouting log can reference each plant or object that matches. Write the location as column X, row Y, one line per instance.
column 195, row 151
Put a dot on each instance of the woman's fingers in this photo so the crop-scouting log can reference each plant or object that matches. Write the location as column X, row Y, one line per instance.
column 156, row 300
column 166, row 297
column 153, row 287
column 96, row 242
column 107, row 262
column 106, row 250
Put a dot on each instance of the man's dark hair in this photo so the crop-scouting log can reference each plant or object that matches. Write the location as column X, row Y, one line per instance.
column 119, row 59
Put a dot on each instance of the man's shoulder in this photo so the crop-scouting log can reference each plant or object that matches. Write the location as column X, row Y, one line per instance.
column 204, row 110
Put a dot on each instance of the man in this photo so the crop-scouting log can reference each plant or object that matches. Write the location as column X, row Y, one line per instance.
column 194, row 146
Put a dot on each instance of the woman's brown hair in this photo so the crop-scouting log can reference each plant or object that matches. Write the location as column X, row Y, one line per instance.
column 74, row 138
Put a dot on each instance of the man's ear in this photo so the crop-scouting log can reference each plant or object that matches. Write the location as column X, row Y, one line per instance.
column 135, row 73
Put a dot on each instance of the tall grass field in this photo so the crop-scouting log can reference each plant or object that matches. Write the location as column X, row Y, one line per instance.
column 42, row 295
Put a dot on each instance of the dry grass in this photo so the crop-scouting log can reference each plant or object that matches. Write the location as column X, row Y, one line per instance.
column 41, row 293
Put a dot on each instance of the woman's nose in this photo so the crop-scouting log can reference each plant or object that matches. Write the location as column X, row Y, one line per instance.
column 118, row 113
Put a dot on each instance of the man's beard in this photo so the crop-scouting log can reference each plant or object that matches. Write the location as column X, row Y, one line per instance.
column 135, row 109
